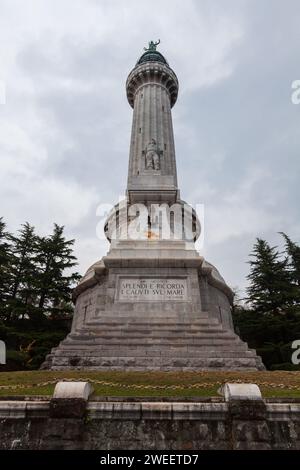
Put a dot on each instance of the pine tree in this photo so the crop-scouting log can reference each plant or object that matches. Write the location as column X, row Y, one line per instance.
column 23, row 272
column 55, row 281
column 36, row 283
column 270, row 280
column 5, row 266
column 293, row 252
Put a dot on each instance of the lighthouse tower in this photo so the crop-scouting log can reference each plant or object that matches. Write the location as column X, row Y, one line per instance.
column 152, row 89
column 152, row 303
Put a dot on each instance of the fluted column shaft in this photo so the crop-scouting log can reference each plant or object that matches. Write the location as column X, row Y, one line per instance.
column 152, row 91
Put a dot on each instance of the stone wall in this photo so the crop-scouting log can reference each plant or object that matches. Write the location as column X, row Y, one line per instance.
column 106, row 424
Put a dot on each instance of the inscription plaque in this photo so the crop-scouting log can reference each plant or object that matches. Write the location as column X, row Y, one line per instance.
column 152, row 289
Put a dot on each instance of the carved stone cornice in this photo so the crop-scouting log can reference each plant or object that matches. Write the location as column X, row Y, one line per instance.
column 152, row 73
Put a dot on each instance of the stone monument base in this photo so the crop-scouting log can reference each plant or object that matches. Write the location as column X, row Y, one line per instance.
column 128, row 343
column 152, row 306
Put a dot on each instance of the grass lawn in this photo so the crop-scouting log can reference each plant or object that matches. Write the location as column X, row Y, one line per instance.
column 151, row 384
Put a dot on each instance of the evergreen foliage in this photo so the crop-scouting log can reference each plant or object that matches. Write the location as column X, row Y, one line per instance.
column 270, row 320
column 36, row 282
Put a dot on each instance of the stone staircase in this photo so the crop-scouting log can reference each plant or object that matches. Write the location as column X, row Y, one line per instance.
column 153, row 343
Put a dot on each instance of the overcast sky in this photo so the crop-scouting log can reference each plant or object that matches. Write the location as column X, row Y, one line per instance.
column 65, row 122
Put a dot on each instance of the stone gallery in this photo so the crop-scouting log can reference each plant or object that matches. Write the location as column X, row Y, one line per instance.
column 153, row 302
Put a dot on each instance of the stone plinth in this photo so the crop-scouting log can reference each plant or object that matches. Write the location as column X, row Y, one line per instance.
column 158, row 308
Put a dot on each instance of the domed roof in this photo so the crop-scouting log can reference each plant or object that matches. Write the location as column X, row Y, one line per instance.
column 151, row 54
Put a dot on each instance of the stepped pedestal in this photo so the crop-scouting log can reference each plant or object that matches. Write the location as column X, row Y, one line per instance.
column 152, row 306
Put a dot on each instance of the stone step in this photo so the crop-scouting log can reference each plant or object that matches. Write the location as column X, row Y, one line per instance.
column 152, row 329
column 97, row 368
column 131, row 334
column 153, row 353
column 145, row 340
column 159, row 320
column 149, row 349
column 158, row 363
column 157, row 324
column 148, row 320
column 128, row 335
column 164, row 348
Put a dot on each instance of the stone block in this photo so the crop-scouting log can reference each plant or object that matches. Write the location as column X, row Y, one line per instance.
column 237, row 391
column 67, row 407
column 70, row 399
column 73, row 390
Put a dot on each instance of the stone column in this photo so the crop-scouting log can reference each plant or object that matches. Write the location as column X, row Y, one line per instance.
column 152, row 89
